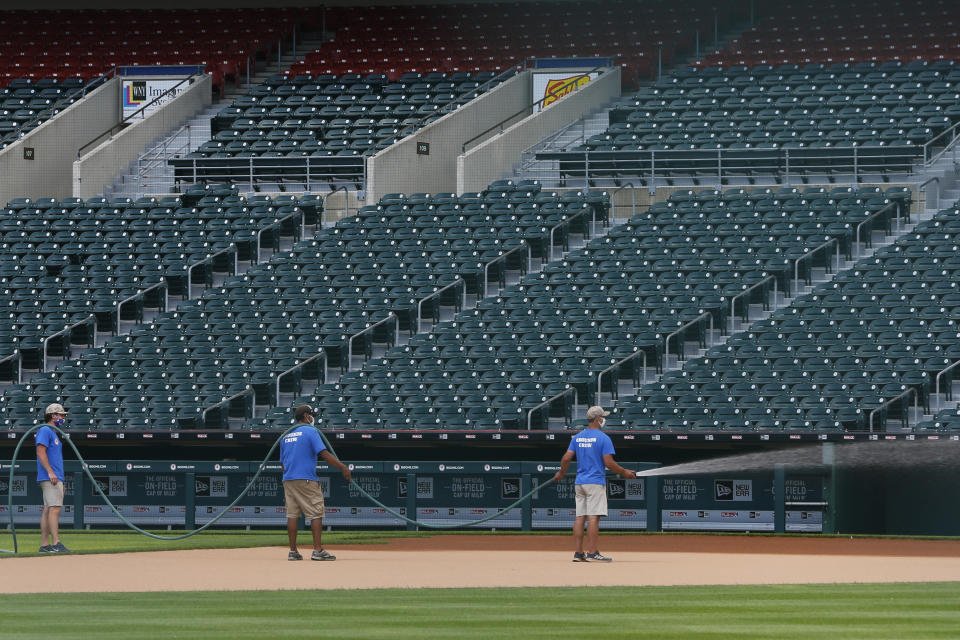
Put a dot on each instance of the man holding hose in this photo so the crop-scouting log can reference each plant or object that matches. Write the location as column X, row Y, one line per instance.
column 50, row 477
column 301, row 486
column 593, row 450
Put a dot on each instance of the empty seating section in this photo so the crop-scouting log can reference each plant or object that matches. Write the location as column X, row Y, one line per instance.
column 841, row 118
column 71, row 268
column 25, row 104
column 308, row 130
column 260, row 333
column 474, row 237
column 859, row 31
column 863, row 348
column 494, row 37
column 616, row 307
column 88, row 43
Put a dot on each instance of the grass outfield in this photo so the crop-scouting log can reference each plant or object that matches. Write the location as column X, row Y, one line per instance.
column 874, row 611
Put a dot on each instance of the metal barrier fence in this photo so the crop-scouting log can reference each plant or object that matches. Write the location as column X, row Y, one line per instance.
column 722, row 166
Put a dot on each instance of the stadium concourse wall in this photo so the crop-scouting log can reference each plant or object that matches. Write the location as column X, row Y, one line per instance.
column 103, row 163
column 401, row 169
column 55, row 144
column 489, row 160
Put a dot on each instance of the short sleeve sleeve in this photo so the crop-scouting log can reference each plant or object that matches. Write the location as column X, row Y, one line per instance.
column 318, row 442
column 43, row 436
column 607, row 446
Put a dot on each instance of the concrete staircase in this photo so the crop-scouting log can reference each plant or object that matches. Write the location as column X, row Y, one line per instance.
column 151, row 175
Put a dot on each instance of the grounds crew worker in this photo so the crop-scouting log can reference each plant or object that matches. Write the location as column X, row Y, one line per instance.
column 301, row 486
column 593, row 450
column 50, row 476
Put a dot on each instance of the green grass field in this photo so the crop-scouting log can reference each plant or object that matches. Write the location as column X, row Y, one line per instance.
column 871, row 611
column 875, row 612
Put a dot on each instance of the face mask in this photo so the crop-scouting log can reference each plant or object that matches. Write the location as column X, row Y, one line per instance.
column 603, row 421
column 59, row 422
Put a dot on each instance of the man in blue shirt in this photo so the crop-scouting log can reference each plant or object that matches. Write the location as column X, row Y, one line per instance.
column 301, row 486
column 50, row 476
column 593, row 450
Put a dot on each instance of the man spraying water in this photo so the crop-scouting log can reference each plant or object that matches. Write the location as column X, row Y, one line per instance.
column 593, row 450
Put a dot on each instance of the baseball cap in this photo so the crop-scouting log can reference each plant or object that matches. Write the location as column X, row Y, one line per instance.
column 54, row 408
column 303, row 410
column 595, row 412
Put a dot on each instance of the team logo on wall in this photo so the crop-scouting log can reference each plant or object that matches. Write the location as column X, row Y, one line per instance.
column 733, row 490
column 509, row 488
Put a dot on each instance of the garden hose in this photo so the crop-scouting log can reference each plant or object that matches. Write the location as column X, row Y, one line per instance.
column 66, row 438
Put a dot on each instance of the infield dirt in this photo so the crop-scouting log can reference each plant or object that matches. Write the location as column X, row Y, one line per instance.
column 503, row 560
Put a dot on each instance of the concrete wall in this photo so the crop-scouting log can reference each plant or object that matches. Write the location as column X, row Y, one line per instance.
column 488, row 161
column 55, row 144
column 101, row 164
column 400, row 169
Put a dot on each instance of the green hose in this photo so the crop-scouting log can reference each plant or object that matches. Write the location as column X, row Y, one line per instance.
column 66, row 438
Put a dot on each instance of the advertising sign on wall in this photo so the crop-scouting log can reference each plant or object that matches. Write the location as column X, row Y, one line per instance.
column 140, row 92
column 552, row 86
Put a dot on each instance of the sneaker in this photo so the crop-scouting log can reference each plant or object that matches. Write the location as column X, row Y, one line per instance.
column 45, row 549
column 596, row 556
column 322, row 555
column 579, row 557
column 59, row 548
column 294, row 555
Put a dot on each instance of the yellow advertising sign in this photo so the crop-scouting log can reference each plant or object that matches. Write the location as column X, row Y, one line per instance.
column 559, row 87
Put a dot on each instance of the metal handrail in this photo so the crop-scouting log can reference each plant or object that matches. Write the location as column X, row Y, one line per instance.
column 141, row 110
column 321, row 354
column 14, row 356
column 458, row 281
column 666, row 342
column 620, row 362
column 936, row 387
column 73, row 326
column 576, row 403
column 643, row 163
column 396, row 330
column 809, row 254
column 190, row 268
column 346, row 201
column 923, row 187
column 633, row 200
column 552, row 94
column 502, row 256
column 928, row 145
column 166, row 297
column 277, row 223
column 253, row 400
column 565, row 221
column 912, row 390
column 865, row 221
column 733, row 300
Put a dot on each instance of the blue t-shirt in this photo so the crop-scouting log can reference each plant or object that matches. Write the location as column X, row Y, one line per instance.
column 298, row 453
column 590, row 445
column 49, row 438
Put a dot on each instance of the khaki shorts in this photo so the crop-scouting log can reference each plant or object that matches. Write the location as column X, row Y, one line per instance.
column 591, row 499
column 52, row 493
column 303, row 497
